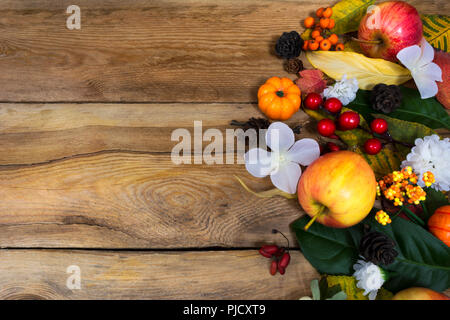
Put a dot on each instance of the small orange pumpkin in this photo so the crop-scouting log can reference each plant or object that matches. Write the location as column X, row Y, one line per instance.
column 439, row 224
column 279, row 98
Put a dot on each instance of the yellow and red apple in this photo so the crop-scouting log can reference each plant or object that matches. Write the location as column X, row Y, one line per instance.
column 338, row 189
column 388, row 28
column 419, row 294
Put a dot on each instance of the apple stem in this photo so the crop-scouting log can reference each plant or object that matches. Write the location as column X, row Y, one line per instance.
column 309, row 224
column 366, row 41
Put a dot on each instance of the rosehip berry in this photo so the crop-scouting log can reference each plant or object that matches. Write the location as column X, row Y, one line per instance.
column 268, row 250
column 379, row 126
column 372, row 146
column 333, row 147
column 284, row 261
column 281, row 270
column 273, row 267
column 348, row 120
column 326, row 127
column 313, row 101
column 279, row 253
column 334, row 105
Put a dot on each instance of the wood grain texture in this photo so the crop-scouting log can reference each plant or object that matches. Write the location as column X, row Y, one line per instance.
column 41, row 274
column 37, row 133
column 135, row 200
column 160, row 51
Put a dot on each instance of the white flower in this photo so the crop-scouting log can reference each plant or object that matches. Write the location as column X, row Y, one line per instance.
column 431, row 154
column 418, row 59
column 370, row 277
column 283, row 162
column 345, row 90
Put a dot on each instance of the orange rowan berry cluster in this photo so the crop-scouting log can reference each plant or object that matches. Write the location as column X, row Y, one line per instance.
column 318, row 33
column 401, row 186
column 382, row 217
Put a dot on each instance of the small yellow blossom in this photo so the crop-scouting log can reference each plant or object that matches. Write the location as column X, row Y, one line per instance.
column 382, row 217
column 428, row 178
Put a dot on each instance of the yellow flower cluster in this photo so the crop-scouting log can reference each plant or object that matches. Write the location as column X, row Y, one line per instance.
column 428, row 178
column 401, row 186
column 382, row 217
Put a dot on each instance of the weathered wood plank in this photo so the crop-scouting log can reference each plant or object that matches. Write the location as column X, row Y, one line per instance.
column 37, row 133
column 161, row 51
column 133, row 200
column 41, row 274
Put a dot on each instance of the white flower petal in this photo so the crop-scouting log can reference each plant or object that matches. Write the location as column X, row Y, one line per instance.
column 258, row 162
column 286, row 177
column 304, row 151
column 426, row 86
column 431, row 154
column 427, row 52
column 410, row 56
column 344, row 90
column 373, row 295
column 431, row 71
column 279, row 136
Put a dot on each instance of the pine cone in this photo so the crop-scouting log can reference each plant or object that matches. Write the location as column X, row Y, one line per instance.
column 386, row 98
column 289, row 45
column 377, row 248
column 252, row 123
column 293, row 66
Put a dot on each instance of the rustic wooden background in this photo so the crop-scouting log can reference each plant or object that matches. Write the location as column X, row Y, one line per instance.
column 85, row 171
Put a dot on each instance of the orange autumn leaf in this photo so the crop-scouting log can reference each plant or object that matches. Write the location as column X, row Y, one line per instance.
column 311, row 81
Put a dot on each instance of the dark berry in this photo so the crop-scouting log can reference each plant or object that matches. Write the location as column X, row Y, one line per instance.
column 333, row 105
column 348, row 120
column 313, row 101
column 326, row 127
column 333, row 147
column 379, row 126
column 372, row 146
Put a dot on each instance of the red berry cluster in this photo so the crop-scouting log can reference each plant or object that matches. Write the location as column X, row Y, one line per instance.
column 347, row 120
column 280, row 257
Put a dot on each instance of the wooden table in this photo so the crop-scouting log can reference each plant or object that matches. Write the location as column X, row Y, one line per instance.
column 86, row 177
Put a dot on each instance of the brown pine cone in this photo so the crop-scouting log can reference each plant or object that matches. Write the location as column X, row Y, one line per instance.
column 386, row 98
column 378, row 248
column 293, row 66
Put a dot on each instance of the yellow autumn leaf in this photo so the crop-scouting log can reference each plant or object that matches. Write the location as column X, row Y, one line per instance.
column 348, row 285
column 367, row 71
column 436, row 29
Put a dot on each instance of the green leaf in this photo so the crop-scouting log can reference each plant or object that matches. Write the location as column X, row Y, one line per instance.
column 428, row 112
column 315, row 289
column 347, row 15
column 405, row 131
column 329, row 250
column 338, row 296
column 423, row 260
column 436, row 30
column 435, row 199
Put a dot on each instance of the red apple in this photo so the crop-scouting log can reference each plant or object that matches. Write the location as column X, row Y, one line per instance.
column 338, row 189
column 419, row 294
column 391, row 26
